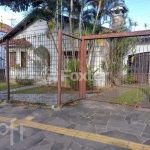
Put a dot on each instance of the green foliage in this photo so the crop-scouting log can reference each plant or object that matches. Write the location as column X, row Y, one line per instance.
column 3, row 85
column 74, row 70
column 145, row 90
column 89, row 78
column 129, row 79
column 18, row 6
column 118, row 49
column 133, row 96
column 24, row 81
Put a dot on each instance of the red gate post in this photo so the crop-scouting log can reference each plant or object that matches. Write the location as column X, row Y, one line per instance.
column 7, row 70
column 59, row 65
column 83, row 69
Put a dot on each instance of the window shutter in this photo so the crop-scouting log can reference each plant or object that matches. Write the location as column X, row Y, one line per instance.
column 12, row 59
column 23, row 59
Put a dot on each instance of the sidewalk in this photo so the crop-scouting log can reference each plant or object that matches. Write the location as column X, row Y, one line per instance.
column 112, row 122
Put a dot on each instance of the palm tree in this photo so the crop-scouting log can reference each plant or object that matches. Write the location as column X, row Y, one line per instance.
column 130, row 23
column 145, row 25
column 135, row 25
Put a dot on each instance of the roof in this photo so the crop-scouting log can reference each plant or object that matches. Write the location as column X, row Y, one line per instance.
column 108, row 29
column 18, row 42
column 19, row 27
column 5, row 28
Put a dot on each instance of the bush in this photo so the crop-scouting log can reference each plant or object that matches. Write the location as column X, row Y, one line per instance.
column 24, row 81
column 129, row 79
column 74, row 68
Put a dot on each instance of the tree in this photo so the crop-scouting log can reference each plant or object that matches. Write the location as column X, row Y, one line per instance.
column 145, row 25
column 23, row 5
column 135, row 25
column 130, row 23
column 117, row 49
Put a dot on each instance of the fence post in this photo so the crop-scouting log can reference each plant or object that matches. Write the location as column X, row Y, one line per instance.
column 59, row 65
column 7, row 70
column 83, row 69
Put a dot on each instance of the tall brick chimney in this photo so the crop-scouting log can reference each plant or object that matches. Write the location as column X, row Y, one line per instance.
column 118, row 12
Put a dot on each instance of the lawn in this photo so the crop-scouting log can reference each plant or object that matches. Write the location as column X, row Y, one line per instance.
column 132, row 97
column 43, row 90
column 12, row 86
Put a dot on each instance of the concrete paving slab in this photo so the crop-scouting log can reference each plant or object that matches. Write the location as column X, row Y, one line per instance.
column 87, row 116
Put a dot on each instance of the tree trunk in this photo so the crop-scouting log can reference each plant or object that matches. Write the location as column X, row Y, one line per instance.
column 96, row 18
column 70, row 16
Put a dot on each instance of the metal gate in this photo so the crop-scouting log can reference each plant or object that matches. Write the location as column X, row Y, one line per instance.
column 117, row 66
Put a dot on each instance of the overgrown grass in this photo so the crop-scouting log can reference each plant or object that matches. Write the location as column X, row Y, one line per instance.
column 42, row 90
column 133, row 96
column 12, row 86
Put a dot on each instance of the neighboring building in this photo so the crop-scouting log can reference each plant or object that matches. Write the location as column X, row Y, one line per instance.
column 33, row 48
column 3, row 30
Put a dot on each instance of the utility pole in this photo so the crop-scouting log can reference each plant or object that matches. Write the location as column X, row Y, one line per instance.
column 12, row 22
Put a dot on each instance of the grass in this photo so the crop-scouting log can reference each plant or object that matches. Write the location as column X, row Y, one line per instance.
column 12, row 86
column 133, row 96
column 42, row 90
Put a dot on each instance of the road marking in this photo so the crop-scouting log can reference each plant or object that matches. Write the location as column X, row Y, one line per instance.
column 76, row 133
column 29, row 118
column 17, row 123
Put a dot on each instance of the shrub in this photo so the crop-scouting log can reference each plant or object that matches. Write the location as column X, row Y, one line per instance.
column 129, row 79
column 74, row 68
column 24, row 81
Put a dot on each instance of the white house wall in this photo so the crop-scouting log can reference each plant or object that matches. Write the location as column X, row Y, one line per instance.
column 36, row 35
column 96, row 62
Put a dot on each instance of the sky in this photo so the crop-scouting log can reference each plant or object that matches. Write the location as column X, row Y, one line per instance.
column 139, row 11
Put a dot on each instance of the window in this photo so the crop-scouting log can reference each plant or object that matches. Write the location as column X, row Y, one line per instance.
column 23, row 59
column 12, row 59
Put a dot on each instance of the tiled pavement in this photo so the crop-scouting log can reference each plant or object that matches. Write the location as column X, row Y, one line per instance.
column 119, row 122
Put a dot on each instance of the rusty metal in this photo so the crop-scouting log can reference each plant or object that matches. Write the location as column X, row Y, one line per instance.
column 7, row 70
column 116, row 35
column 84, row 70
column 81, row 67
column 59, row 65
column 71, row 36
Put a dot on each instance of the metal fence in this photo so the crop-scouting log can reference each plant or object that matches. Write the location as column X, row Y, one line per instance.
column 61, row 68
column 118, row 68
column 36, row 68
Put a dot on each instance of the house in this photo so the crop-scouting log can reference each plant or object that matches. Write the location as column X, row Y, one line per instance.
column 33, row 49
column 4, row 28
column 138, row 60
